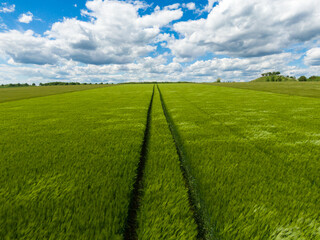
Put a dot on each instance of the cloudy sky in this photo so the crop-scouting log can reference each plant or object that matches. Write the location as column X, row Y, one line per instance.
column 119, row 41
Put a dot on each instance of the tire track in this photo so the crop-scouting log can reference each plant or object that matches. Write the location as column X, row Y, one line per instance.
column 130, row 232
column 194, row 199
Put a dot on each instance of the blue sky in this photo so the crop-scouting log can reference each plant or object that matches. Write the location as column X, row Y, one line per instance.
column 118, row 41
column 50, row 11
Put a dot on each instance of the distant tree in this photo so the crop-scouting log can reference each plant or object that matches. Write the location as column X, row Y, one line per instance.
column 302, row 79
column 272, row 78
column 218, row 80
column 314, row 78
column 270, row 74
column 15, row 85
column 59, row 83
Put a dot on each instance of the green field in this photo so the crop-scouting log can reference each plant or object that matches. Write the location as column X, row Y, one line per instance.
column 66, row 173
column 16, row 93
column 254, row 157
column 166, row 161
column 165, row 212
column 305, row 89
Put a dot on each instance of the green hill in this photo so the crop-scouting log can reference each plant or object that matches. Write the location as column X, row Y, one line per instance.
column 274, row 78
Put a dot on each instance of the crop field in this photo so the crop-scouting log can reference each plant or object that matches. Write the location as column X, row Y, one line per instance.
column 254, row 157
column 68, row 162
column 17, row 93
column 161, row 161
column 304, row 89
column 165, row 212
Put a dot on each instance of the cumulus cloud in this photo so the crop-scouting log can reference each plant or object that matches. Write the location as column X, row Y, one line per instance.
column 313, row 57
column 248, row 28
column 115, row 34
column 244, row 68
column 154, row 69
column 189, row 6
column 26, row 47
column 5, row 8
column 160, row 18
column 209, row 6
column 173, row 6
column 116, row 41
column 26, row 17
column 145, row 69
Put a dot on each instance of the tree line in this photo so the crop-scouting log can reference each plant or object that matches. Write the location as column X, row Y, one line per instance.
column 310, row 79
column 17, row 85
column 46, row 84
column 276, row 77
column 270, row 74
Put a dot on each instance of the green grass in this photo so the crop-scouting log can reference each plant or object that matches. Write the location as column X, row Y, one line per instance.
column 68, row 163
column 164, row 212
column 254, row 157
column 248, row 164
column 17, row 93
column 306, row 89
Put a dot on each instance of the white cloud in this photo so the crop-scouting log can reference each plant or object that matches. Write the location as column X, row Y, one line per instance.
column 155, row 69
column 248, row 28
column 189, row 6
column 26, row 17
column 209, row 6
column 115, row 42
column 160, row 18
column 3, row 26
column 5, row 8
column 313, row 57
column 116, row 34
column 146, row 69
column 237, row 69
column 26, row 47
column 172, row 7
